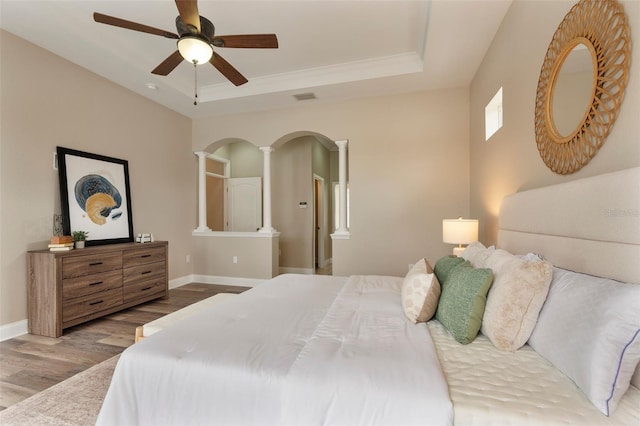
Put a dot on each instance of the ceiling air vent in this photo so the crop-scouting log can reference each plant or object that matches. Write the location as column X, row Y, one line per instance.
column 305, row 96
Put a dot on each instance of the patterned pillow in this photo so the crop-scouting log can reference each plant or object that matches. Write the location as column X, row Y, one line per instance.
column 462, row 301
column 420, row 292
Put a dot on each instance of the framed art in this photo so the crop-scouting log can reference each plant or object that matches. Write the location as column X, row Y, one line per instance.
column 95, row 196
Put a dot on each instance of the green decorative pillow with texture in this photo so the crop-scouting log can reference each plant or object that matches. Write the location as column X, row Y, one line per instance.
column 445, row 265
column 462, row 302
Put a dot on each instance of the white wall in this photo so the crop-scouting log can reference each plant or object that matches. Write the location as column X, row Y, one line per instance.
column 408, row 168
column 47, row 101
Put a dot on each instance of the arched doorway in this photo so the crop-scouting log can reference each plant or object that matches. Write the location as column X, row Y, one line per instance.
column 303, row 167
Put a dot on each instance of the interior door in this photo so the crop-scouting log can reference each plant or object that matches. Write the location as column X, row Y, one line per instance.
column 244, row 204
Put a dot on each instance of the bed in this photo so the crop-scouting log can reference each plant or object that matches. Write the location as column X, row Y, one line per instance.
column 302, row 349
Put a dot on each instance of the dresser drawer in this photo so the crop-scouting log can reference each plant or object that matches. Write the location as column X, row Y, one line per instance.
column 144, row 289
column 144, row 272
column 90, row 304
column 90, row 284
column 78, row 266
column 142, row 256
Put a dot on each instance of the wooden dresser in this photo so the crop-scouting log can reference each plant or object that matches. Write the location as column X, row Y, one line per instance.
column 68, row 288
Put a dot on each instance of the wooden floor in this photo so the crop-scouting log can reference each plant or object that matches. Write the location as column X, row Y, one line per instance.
column 29, row 364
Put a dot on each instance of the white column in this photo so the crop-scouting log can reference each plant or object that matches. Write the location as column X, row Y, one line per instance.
column 266, row 190
column 342, row 187
column 202, row 191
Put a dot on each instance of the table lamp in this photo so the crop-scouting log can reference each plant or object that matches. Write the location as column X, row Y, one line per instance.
column 459, row 231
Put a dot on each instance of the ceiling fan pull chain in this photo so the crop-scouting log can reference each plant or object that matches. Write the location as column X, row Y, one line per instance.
column 195, row 78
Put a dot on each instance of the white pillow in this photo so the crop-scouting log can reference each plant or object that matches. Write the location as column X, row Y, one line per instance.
column 476, row 253
column 589, row 328
column 420, row 292
column 519, row 289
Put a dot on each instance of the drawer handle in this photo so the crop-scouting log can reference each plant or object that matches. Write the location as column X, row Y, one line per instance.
column 96, row 303
column 147, row 288
column 145, row 272
column 95, row 264
column 146, row 255
column 97, row 283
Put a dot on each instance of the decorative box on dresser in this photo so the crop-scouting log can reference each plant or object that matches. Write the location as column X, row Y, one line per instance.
column 69, row 288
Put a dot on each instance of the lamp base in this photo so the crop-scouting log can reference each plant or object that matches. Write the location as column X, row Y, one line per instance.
column 457, row 251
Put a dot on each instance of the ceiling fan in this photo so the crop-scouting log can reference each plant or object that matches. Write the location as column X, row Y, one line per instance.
column 196, row 39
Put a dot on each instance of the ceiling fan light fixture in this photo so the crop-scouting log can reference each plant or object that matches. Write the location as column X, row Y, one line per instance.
column 195, row 49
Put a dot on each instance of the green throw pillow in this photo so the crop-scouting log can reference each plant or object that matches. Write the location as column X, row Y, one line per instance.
column 445, row 265
column 462, row 301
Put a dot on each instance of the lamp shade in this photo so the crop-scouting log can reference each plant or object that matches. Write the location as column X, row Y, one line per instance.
column 459, row 231
column 194, row 49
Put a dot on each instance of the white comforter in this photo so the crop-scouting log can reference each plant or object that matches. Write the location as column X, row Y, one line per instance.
column 296, row 350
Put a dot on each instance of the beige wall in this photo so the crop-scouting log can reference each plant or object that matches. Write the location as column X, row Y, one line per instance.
column 47, row 101
column 291, row 184
column 253, row 252
column 246, row 160
column 408, row 168
column 510, row 161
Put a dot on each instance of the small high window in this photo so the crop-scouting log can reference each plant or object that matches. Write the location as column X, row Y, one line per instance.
column 493, row 115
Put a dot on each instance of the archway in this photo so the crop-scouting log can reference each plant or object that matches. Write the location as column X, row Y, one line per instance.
column 304, row 169
column 302, row 201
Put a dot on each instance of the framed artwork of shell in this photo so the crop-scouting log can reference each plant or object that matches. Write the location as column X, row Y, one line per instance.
column 95, row 196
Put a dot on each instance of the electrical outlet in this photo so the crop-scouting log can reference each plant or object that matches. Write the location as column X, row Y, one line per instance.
column 188, row 258
column 235, row 259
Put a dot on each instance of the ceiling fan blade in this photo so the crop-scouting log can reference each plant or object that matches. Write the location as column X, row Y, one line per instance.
column 168, row 64
column 129, row 25
column 232, row 74
column 261, row 41
column 188, row 10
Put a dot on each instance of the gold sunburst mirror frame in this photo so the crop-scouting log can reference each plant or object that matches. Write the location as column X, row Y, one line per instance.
column 601, row 27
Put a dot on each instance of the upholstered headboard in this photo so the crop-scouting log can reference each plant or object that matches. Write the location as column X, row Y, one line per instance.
column 589, row 225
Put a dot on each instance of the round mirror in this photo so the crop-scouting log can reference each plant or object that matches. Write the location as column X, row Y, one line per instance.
column 575, row 115
column 573, row 90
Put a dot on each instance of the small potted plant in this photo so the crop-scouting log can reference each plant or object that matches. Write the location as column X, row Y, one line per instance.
column 79, row 238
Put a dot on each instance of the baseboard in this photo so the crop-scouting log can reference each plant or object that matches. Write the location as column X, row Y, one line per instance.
column 179, row 282
column 15, row 329
column 304, row 271
column 214, row 279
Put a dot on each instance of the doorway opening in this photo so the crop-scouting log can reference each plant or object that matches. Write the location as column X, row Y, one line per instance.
column 319, row 223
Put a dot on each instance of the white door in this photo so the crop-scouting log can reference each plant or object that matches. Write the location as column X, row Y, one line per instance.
column 244, row 204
